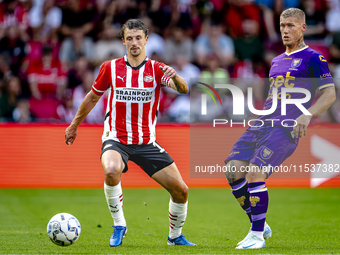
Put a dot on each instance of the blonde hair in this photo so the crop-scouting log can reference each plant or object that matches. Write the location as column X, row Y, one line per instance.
column 294, row 12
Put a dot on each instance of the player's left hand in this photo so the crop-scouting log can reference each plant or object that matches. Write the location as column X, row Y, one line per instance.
column 300, row 130
column 168, row 71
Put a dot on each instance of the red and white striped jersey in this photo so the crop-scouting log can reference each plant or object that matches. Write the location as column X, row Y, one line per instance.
column 133, row 100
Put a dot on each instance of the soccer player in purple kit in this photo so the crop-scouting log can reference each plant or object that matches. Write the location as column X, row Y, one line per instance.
column 272, row 138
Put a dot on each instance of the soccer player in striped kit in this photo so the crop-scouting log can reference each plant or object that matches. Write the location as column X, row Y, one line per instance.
column 267, row 145
column 134, row 82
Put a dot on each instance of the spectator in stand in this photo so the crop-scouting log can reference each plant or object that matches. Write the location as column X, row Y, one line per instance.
column 179, row 110
column 271, row 10
column 178, row 44
column 214, row 73
column 270, row 3
column 79, row 93
column 45, row 21
column 122, row 10
column 335, row 48
column 77, row 23
column 14, row 47
column 173, row 13
column 155, row 47
column 5, row 69
column 9, row 98
column 66, row 110
column 186, row 70
column 76, row 74
column 12, row 13
column 109, row 43
column 214, row 42
column 47, row 81
column 238, row 11
column 249, row 45
column 333, row 16
column 22, row 112
column 315, row 20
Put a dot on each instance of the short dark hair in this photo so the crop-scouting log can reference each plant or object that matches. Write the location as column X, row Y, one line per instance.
column 294, row 12
column 133, row 24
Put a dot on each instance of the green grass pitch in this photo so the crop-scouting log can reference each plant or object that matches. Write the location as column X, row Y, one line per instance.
column 304, row 221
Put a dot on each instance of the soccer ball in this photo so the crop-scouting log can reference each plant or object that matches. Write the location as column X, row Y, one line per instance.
column 63, row 229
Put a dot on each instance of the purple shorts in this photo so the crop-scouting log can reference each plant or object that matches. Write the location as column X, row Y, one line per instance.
column 264, row 146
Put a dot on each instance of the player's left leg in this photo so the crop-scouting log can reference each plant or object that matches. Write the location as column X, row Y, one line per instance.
column 258, row 197
column 170, row 178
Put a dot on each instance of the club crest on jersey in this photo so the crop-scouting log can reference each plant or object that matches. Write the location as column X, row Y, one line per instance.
column 266, row 153
column 296, row 62
column 148, row 78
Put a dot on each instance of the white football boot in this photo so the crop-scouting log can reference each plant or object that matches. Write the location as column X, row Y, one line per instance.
column 266, row 233
column 252, row 242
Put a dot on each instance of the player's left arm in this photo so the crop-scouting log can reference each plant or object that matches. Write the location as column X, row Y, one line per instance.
column 322, row 104
column 177, row 82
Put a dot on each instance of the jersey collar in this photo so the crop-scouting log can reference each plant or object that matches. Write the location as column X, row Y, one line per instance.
column 297, row 50
column 137, row 67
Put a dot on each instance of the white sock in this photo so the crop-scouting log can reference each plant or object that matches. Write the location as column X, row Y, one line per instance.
column 259, row 234
column 177, row 216
column 114, row 199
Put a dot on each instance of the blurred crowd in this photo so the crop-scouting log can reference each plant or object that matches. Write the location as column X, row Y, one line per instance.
column 51, row 51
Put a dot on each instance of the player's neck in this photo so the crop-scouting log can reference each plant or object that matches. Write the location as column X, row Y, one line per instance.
column 299, row 45
column 135, row 61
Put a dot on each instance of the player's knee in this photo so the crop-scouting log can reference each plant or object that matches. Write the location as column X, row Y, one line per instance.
column 113, row 169
column 256, row 176
column 180, row 193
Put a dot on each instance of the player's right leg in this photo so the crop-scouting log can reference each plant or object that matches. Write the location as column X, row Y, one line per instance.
column 113, row 166
column 235, row 173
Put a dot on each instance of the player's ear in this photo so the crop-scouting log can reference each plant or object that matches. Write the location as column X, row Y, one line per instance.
column 123, row 42
column 146, row 39
column 304, row 27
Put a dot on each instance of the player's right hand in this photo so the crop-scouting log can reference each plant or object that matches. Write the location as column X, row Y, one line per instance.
column 302, row 122
column 70, row 135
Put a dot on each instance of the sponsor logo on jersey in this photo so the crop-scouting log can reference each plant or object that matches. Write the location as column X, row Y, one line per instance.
column 122, row 78
column 133, row 95
column 296, row 62
column 148, row 78
column 322, row 58
column 325, row 76
column 266, row 153
column 233, row 153
column 286, row 58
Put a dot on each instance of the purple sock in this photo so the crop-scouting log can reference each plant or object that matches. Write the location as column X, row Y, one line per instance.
column 259, row 204
column 240, row 191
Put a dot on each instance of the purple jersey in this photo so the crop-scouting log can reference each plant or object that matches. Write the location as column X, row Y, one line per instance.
column 304, row 68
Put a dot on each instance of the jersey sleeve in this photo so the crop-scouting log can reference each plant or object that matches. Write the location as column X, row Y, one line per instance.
column 319, row 68
column 159, row 75
column 103, row 80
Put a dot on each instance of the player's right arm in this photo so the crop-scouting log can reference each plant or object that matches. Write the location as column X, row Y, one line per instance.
column 322, row 104
column 85, row 107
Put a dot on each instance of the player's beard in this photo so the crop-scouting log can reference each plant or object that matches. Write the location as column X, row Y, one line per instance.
column 135, row 53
